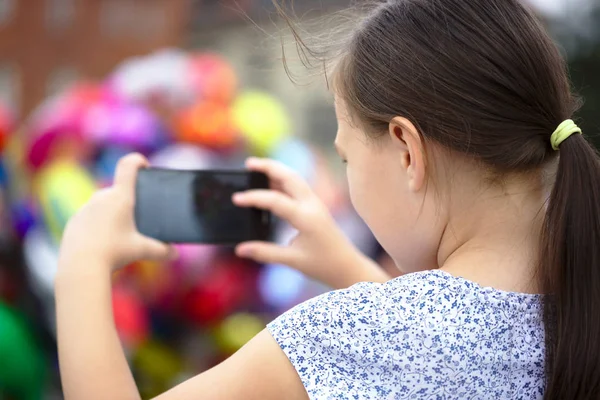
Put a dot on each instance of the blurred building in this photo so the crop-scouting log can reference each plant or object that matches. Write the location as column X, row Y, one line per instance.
column 46, row 44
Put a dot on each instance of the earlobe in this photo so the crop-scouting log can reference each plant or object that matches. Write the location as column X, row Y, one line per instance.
column 410, row 142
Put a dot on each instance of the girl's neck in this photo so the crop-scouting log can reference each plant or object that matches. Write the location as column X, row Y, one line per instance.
column 494, row 239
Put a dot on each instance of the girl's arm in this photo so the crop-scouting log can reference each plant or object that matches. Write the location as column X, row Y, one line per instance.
column 93, row 366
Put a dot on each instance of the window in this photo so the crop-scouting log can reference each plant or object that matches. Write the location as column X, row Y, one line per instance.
column 10, row 86
column 60, row 79
column 7, row 11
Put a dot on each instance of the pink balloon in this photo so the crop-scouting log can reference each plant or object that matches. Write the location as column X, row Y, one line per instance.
column 122, row 124
column 194, row 260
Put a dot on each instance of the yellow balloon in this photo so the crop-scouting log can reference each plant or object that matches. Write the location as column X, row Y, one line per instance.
column 158, row 367
column 262, row 120
column 236, row 331
column 63, row 188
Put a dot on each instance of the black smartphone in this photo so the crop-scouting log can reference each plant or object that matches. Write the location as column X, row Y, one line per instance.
column 195, row 206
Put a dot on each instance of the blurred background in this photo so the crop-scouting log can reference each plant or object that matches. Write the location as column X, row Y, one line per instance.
column 192, row 84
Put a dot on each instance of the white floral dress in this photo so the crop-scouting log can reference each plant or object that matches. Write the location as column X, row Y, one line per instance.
column 427, row 335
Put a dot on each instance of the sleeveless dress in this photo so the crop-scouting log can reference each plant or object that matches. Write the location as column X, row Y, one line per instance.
column 427, row 335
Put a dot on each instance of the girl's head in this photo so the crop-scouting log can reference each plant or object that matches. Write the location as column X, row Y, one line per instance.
column 426, row 88
column 439, row 101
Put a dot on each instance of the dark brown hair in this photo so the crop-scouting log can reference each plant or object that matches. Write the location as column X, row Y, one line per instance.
column 483, row 78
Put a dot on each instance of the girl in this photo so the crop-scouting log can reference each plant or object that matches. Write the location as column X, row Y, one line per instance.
column 452, row 116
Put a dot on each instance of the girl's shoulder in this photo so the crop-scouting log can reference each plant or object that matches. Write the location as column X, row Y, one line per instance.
column 420, row 294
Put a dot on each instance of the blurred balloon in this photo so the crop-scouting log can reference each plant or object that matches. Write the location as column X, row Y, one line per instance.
column 106, row 163
column 212, row 77
column 62, row 189
column 130, row 316
column 183, row 156
column 7, row 125
column 160, row 77
column 128, row 126
column 23, row 365
column 262, row 120
column 55, row 128
column 218, row 293
column 237, row 330
column 280, row 286
column 41, row 259
column 148, row 278
column 297, row 155
column 207, row 123
column 23, row 216
column 158, row 368
column 193, row 259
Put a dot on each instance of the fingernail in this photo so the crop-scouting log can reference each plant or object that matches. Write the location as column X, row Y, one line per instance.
column 237, row 197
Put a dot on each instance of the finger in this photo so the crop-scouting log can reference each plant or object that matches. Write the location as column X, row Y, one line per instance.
column 127, row 169
column 267, row 253
column 154, row 250
column 278, row 203
column 290, row 182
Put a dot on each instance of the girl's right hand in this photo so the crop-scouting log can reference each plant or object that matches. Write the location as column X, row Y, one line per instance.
column 320, row 249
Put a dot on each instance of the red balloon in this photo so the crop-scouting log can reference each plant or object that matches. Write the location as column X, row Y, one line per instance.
column 7, row 125
column 220, row 292
column 213, row 77
column 131, row 318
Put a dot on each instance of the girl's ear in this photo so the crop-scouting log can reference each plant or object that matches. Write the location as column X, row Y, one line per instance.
column 406, row 138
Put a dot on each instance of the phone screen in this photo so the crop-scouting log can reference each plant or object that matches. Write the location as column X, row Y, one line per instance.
column 196, row 207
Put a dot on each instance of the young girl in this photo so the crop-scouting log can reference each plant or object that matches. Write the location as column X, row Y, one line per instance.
column 454, row 120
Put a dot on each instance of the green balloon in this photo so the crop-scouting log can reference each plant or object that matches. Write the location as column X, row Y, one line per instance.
column 23, row 368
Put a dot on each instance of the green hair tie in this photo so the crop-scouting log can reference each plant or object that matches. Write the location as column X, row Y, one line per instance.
column 563, row 132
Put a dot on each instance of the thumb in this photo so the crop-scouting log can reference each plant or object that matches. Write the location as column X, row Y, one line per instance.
column 154, row 250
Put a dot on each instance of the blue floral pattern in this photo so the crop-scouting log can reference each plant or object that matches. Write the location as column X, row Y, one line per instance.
column 427, row 335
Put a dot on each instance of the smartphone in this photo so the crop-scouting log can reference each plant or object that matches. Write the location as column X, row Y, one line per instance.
column 195, row 206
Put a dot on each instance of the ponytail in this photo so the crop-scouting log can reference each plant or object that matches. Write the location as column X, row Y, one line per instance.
column 570, row 275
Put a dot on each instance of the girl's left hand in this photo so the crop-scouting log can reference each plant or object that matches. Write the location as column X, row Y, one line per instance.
column 104, row 229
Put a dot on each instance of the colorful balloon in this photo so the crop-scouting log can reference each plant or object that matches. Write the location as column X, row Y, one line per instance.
column 262, row 121
column 41, row 257
column 183, row 156
column 62, row 189
column 207, row 123
column 123, row 125
column 219, row 292
column 7, row 125
column 212, row 77
column 237, row 330
column 157, row 368
column 23, row 365
column 106, row 163
column 130, row 316
column 280, row 286
column 195, row 260
column 23, row 216
column 55, row 129
column 297, row 155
